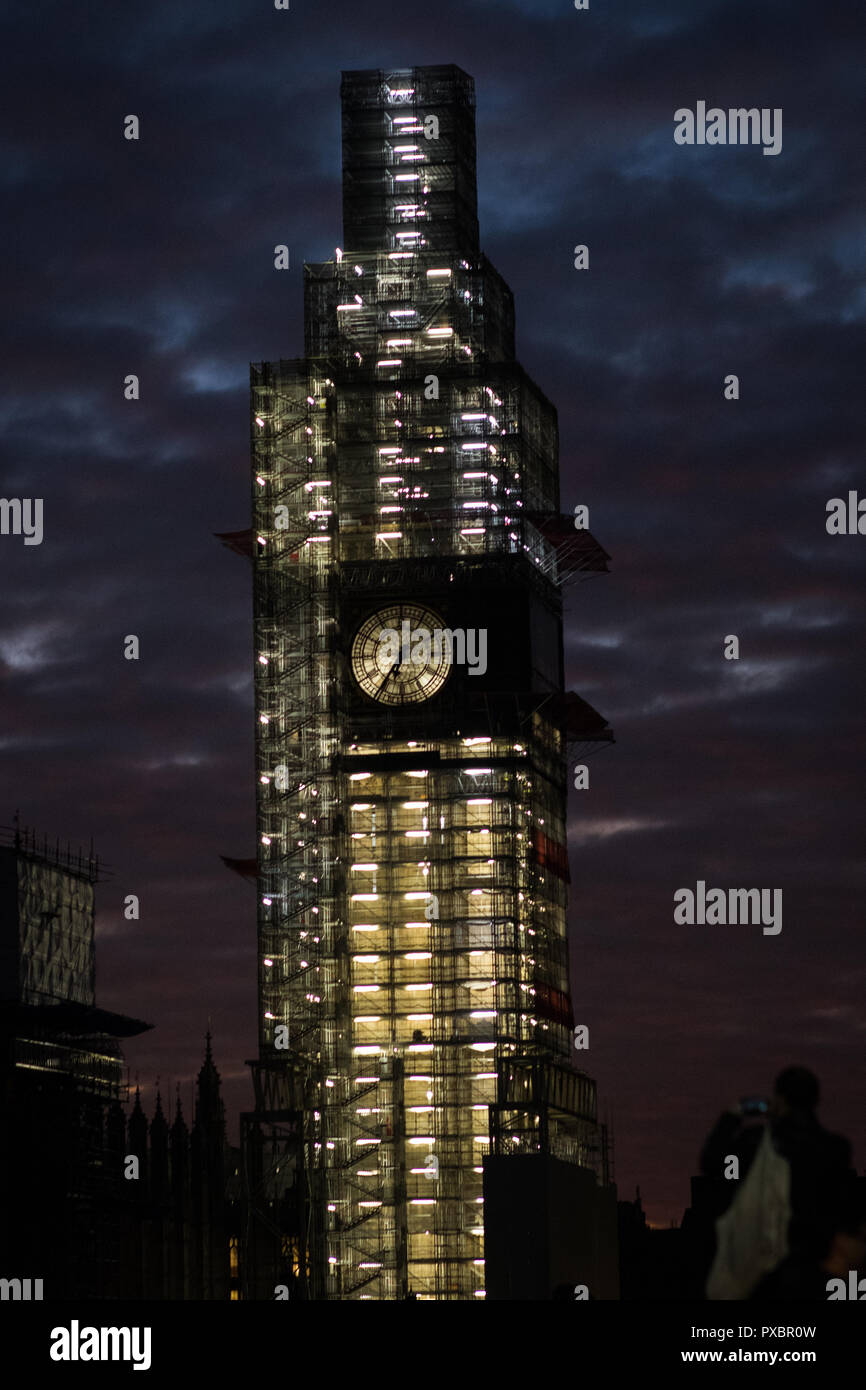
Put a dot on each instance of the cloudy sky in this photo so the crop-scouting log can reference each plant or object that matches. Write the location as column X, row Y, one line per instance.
column 156, row 258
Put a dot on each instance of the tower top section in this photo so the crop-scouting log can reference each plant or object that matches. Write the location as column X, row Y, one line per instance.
column 409, row 181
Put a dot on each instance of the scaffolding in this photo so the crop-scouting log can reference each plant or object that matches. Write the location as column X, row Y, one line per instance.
column 412, row 867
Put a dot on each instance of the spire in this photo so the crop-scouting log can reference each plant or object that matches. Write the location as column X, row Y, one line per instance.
column 209, row 1110
column 179, row 1131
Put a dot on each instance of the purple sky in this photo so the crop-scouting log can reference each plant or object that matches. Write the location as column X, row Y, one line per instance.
column 156, row 258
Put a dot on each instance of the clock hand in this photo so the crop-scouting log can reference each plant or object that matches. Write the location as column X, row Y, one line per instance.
column 393, row 671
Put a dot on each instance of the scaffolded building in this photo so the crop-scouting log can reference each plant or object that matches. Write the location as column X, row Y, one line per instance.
column 414, row 997
column 61, row 1075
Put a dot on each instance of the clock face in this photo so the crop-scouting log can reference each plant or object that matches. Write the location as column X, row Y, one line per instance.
column 399, row 656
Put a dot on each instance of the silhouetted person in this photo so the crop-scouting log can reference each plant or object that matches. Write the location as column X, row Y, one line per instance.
column 819, row 1164
column 801, row 1276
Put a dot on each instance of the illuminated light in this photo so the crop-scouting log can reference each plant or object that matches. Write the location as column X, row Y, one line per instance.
column 390, row 362
column 421, row 1109
column 367, row 989
column 480, row 801
column 468, row 448
column 369, row 1204
column 398, row 342
column 367, row 1018
column 365, row 926
column 311, row 516
column 403, row 120
column 268, row 1015
column 478, row 771
column 422, row 1139
column 365, row 1051
column 364, row 868
column 364, row 897
column 482, row 1047
column 390, row 450
column 419, row 1018
column 420, row 1047
column 473, row 530
column 383, row 510
column 483, row 1013
column 474, row 415
column 391, row 478
column 311, row 539
column 369, row 1264
column 266, row 839
column 436, row 274
column 416, row 834
column 402, row 313
column 358, row 271
column 482, row 738
column 339, row 255
column 400, row 255
column 440, row 332
column 405, row 149
column 268, row 961
column 267, row 901
column 260, row 480
column 342, row 308
column 474, row 475
column 406, row 178
column 428, row 985
column 261, row 540
column 260, row 421
column 414, row 805
column 362, row 806
column 364, row 1080
column 485, row 1076
column 416, row 924
column 480, row 1293
column 389, row 535
column 416, row 896
column 418, row 955
column 359, row 776
column 266, row 781
column 322, row 482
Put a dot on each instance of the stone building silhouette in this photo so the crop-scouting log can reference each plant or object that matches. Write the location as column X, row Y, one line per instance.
column 94, row 1204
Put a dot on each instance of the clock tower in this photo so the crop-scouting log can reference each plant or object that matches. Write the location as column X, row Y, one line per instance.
column 413, row 731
